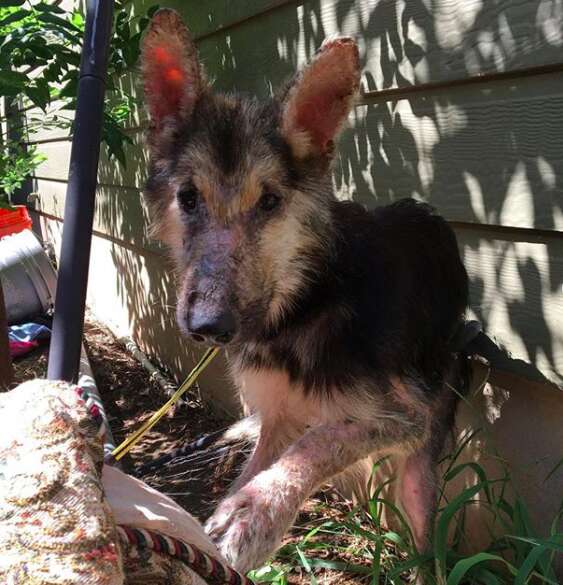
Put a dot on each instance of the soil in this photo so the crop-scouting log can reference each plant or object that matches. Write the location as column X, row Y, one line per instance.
column 130, row 396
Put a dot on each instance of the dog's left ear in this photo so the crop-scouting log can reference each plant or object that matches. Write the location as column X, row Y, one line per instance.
column 171, row 71
column 320, row 98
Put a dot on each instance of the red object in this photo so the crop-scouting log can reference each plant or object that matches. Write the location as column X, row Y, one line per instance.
column 14, row 220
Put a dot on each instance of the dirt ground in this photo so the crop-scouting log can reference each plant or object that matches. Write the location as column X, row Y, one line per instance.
column 130, row 396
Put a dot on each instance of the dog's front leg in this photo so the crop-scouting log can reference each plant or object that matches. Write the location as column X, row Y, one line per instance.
column 269, row 446
column 249, row 525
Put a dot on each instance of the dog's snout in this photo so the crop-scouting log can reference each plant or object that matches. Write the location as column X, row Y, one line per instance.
column 212, row 326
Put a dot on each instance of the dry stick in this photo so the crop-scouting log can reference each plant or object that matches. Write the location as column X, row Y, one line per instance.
column 6, row 372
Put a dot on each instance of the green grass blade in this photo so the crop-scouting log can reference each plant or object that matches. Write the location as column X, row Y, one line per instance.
column 376, row 564
column 479, row 472
column 528, row 565
column 339, row 566
column 441, row 534
column 485, row 577
column 306, row 565
column 408, row 565
column 553, row 471
column 462, row 567
column 555, row 542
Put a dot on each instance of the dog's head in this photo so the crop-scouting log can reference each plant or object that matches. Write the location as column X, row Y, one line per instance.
column 240, row 190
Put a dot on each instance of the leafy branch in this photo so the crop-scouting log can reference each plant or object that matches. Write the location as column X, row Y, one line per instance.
column 40, row 51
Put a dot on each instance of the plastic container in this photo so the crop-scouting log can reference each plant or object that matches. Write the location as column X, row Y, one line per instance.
column 28, row 279
column 13, row 221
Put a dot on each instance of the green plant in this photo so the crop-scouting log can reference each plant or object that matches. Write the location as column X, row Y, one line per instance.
column 359, row 546
column 16, row 164
column 40, row 51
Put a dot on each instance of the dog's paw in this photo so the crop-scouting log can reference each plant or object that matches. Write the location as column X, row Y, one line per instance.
column 248, row 526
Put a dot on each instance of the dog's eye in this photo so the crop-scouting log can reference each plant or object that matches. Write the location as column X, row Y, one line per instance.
column 189, row 200
column 269, row 201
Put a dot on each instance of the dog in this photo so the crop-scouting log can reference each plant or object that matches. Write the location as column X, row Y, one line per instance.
column 337, row 321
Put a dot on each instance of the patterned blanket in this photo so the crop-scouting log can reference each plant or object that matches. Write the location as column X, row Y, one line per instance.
column 60, row 507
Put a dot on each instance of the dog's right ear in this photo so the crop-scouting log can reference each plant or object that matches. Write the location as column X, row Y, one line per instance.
column 172, row 74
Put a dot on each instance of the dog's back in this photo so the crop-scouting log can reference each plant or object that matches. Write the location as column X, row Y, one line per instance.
column 384, row 302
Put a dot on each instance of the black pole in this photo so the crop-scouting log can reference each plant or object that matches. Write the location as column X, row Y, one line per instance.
column 68, row 323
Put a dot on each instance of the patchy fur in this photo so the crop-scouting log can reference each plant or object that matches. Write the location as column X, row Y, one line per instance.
column 337, row 321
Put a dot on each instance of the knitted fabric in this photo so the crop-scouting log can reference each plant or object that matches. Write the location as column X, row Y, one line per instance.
column 56, row 528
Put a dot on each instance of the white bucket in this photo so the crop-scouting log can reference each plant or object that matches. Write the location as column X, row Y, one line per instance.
column 28, row 279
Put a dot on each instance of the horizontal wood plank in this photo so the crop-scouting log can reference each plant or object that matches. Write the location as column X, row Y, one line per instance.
column 401, row 43
column 489, row 155
column 214, row 16
column 120, row 213
column 254, row 46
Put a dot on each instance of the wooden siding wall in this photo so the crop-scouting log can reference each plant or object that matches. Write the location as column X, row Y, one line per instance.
column 462, row 107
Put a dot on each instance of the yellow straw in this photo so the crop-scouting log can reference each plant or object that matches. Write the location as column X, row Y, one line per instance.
column 126, row 446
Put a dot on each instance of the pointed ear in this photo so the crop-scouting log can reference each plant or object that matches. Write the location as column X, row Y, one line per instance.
column 321, row 97
column 171, row 72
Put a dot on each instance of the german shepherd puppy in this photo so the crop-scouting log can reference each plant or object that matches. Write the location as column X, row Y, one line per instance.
column 337, row 321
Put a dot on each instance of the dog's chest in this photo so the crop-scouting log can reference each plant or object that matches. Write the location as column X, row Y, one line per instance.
column 271, row 394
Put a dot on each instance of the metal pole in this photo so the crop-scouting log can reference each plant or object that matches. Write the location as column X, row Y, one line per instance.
column 68, row 323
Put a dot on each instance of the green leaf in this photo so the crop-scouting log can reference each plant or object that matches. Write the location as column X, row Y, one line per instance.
column 13, row 79
column 462, row 567
column 14, row 17
column 306, row 565
column 42, row 7
column 267, row 574
column 39, row 94
column 528, row 565
column 12, row 83
column 554, row 543
column 479, row 472
column 411, row 563
column 63, row 25
column 8, row 3
column 441, row 534
column 4, row 202
column 376, row 563
column 485, row 577
column 70, row 89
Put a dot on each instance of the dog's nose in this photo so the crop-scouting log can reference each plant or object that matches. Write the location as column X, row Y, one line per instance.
column 213, row 327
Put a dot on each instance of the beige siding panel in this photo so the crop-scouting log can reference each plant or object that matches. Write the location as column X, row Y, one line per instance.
column 119, row 213
column 490, row 155
column 401, row 42
column 56, row 165
column 110, row 172
column 207, row 17
column 516, row 290
column 51, row 125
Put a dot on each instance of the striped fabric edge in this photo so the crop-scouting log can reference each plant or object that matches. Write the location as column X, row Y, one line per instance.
column 95, row 409
column 207, row 567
